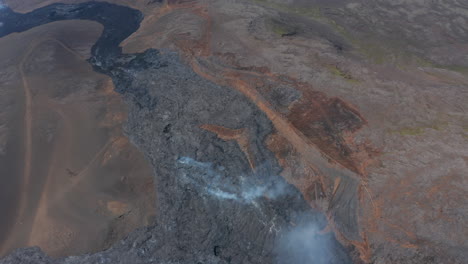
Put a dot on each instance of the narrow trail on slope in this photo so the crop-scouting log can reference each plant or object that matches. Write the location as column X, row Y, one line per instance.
column 36, row 230
column 27, row 156
column 20, row 215
column 27, row 129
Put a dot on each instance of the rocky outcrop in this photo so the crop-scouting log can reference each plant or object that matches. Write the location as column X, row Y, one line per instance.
column 215, row 205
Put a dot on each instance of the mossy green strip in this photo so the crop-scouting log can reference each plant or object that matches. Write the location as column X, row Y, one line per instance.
column 339, row 73
column 377, row 51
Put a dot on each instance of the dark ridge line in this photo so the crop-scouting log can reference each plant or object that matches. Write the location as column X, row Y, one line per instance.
column 124, row 69
column 106, row 55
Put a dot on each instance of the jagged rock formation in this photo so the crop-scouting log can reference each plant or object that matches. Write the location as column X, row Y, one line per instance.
column 217, row 208
column 358, row 105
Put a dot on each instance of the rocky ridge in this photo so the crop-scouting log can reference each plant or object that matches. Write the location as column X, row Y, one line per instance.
column 218, row 208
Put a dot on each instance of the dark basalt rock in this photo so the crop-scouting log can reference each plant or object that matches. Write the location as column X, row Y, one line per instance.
column 213, row 208
column 119, row 23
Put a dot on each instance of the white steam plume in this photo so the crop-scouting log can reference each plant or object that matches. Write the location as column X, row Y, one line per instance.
column 299, row 244
column 245, row 191
column 304, row 244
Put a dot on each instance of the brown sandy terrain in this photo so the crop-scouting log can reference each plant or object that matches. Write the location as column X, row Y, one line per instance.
column 24, row 6
column 76, row 184
column 377, row 142
column 367, row 143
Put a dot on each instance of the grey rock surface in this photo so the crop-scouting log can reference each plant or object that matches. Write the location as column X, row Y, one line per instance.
column 212, row 206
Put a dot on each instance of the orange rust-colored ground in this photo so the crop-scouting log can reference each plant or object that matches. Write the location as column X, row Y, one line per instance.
column 315, row 134
column 87, row 151
column 317, row 128
column 241, row 136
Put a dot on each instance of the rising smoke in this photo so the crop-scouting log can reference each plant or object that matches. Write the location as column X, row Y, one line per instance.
column 302, row 243
column 205, row 176
column 305, row 244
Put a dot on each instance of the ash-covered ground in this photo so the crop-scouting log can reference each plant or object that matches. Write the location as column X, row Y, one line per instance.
column 257, row 115
column 214, row 205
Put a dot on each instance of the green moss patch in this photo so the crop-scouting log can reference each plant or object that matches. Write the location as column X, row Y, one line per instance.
column 339, row 73
column 282, row 29
column 419, row 130
column 410, row 131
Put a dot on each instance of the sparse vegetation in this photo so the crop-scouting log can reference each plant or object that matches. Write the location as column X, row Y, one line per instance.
column 377, row 51
column 339, row 73
column 410, row 131
column 455, row 68
column 312, row 12
column 282, row 29
column 419, row 130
